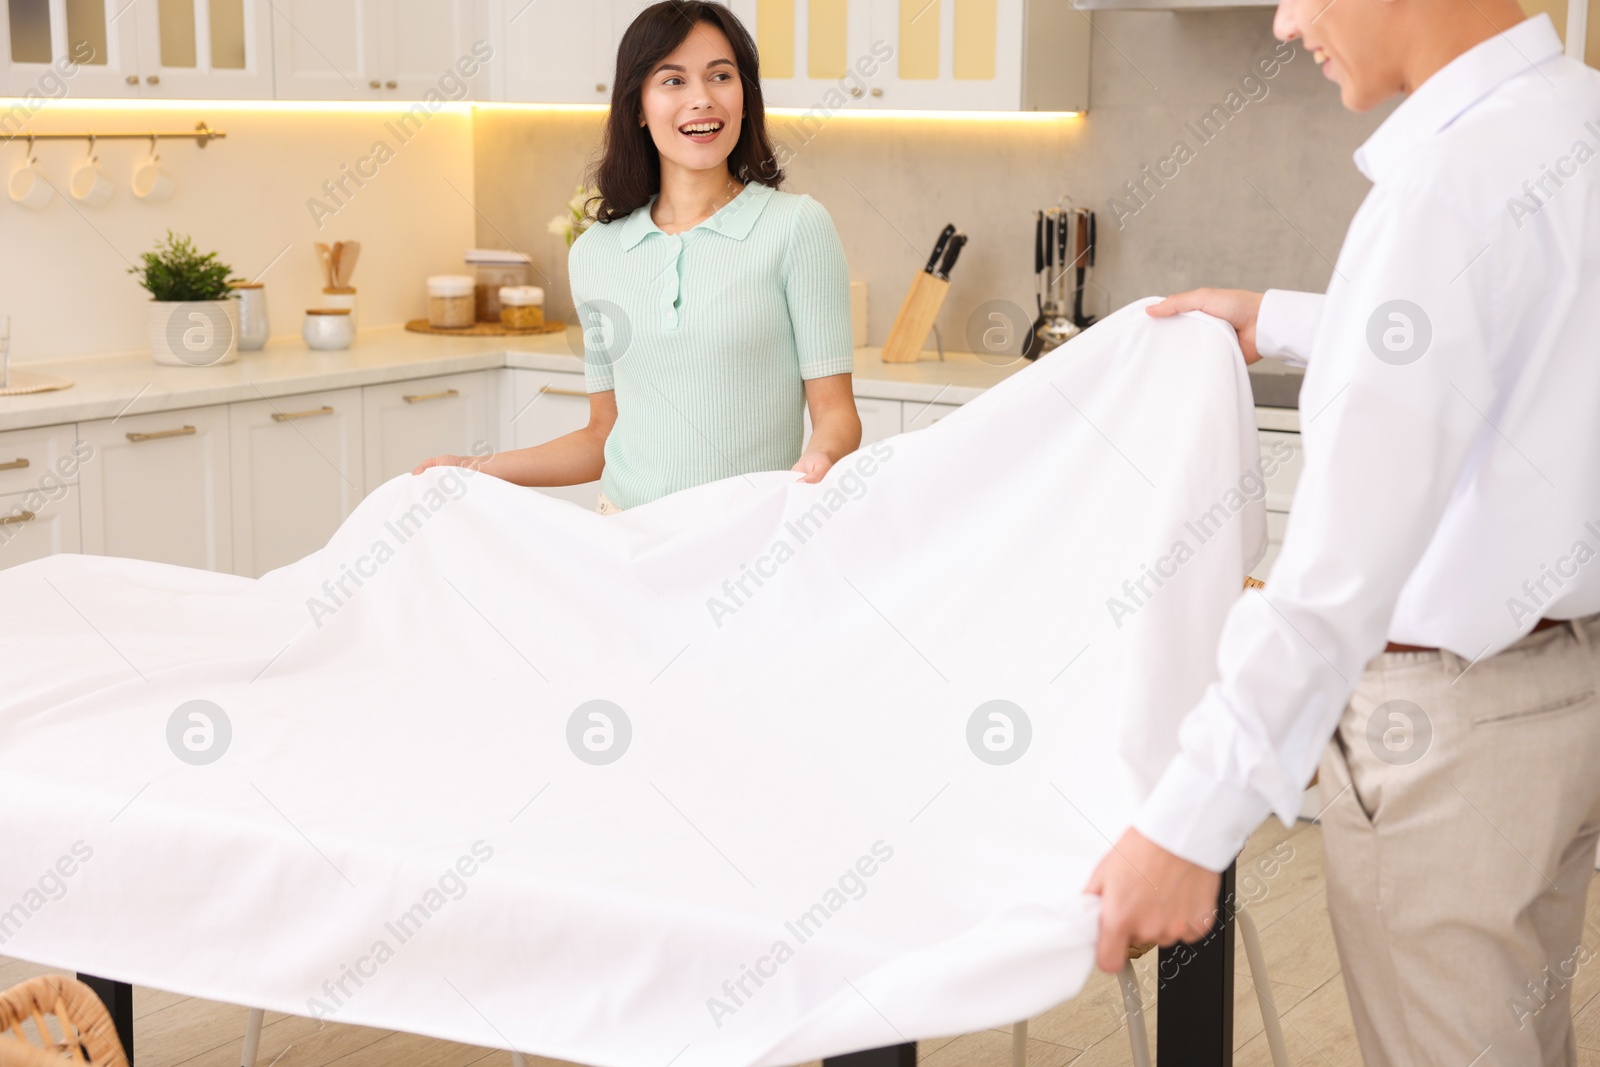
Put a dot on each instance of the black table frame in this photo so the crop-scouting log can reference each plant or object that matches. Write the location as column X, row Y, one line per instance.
column 1194, row 997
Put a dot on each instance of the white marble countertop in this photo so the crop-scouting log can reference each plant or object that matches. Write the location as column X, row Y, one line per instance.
column 130, row 383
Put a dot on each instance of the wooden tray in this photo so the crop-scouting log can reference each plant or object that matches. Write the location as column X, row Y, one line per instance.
column 484, row 329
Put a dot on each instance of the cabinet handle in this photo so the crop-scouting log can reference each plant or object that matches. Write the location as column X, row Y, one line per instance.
column 14, row 465
column 154, row 79
column 600, row 87
column 392, row 85
column 375, row 83
column 855, row 90
column 182, row 431
column 877, row 92
column 553, row 391
column 19, row 517
column 133, row 79
column 287, row 416
column 417, row 398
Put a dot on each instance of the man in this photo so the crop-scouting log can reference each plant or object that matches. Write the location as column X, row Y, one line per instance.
column 1449, row 506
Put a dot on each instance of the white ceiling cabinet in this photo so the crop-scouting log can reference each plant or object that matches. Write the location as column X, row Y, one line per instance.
column 381, row 49
column 203, row 49
column 151, row 49
column 560, row 53
column 921, row 55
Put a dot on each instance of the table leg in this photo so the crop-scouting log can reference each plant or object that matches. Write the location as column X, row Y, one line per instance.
column 118, row 999
column 1194, row 994
column 894, row 1056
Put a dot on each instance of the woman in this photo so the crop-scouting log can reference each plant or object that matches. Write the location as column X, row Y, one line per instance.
column 715, row 308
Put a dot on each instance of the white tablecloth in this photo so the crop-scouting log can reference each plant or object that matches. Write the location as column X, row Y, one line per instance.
column 799, row 851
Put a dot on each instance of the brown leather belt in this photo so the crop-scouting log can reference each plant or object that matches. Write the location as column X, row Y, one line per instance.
column 1542, row 624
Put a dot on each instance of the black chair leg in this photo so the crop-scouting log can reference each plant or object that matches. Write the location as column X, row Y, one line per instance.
column 1194, row 994
column 894, row 1056
column 118, row 999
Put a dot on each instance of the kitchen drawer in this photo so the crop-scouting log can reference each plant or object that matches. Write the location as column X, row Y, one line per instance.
column 158, row 488
column 28, row 456
column 32, row 530
column 543, row 405
column 404, row 423
column 918, row 414
column 296, row 463
column 1281, row 456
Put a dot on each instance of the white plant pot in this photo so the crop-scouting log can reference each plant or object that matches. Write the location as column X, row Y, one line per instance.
column 193, row 333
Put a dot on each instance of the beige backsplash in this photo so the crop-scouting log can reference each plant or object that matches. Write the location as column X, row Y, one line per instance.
column 1263, row 202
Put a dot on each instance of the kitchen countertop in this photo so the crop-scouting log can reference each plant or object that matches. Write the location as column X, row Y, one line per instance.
column 130, row 383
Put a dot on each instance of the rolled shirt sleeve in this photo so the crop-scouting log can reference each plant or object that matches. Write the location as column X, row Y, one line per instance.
column 1286, row 323
column 1404, row 351
column 816, row 285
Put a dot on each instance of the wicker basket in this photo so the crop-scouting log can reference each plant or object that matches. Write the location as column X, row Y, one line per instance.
column 82, row 1027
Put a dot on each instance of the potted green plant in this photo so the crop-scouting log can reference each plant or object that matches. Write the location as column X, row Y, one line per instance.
column 193, row 320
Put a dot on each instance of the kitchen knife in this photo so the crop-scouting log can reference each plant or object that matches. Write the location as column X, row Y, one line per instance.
column 938, row 248
column 1082, row 256
column 951, row 254
column 1061, row 261
column 1038, row 259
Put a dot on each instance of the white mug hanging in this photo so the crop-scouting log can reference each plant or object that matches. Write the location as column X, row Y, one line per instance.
column 89, row 184
column 151, row 182
column 28, row 186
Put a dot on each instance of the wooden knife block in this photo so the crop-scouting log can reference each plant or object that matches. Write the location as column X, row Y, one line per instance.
column 915, row 321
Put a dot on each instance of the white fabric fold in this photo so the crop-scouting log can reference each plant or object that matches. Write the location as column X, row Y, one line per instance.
column 398, row 832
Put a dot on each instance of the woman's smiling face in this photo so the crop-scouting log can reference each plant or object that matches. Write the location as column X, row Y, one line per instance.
column 693, row 101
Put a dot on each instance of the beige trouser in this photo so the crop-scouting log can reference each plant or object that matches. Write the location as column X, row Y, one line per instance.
column 1459, row 849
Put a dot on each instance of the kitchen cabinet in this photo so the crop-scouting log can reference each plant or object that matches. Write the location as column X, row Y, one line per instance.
column 149, row 49
column 879, row 419
column 204, row 49
column 295, row 465
column 404, row 423
column 42, row 40
column 157, row 487
column 387, row 50
column 31, row 530
column 561, row 53
column 919, row 415
column 539, row 406
column 922, row 55
column 1280, row 452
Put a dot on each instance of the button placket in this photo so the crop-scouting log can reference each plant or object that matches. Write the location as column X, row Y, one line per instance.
column 672, row 284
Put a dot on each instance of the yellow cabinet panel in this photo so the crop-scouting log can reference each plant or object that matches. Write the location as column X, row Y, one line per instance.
column 977, row 25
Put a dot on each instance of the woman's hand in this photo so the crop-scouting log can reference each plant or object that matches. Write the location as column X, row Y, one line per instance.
column 1237, row 307
column 470, row 462
column 814, row 463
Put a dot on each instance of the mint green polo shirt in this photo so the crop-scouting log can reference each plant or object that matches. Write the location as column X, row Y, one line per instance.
column 708, row 337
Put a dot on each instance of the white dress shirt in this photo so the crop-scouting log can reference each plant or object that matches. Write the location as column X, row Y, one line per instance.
column 1450, row 495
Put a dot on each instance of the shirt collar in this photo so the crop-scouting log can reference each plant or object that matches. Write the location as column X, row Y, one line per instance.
column 734, row 219
column 1454, row 89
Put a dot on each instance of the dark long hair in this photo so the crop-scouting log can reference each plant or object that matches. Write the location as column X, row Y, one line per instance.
column 629, row 171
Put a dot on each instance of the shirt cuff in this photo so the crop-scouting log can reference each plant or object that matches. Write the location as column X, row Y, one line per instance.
column 1286, row 324
column 1199, row 818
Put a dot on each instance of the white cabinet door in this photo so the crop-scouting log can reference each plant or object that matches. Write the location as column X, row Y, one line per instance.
column 404, row 423
column 36, row 525
column 297, row 473
column 438, row 46
column 557, row 53
column 1277, row 522
column 544, row 405
column 919, row 414
column 80, row 49
column 327, row 50
column 158, row 488
column 814, row 53
column 205, row 49
column 949, row 54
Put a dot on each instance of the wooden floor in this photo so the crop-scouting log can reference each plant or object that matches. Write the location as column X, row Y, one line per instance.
column 1280, row 877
